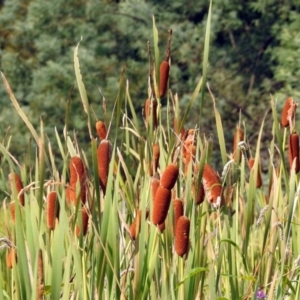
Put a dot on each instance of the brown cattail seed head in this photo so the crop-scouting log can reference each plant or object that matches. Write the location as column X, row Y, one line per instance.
column 156, row 154
column 78, row 178
column 238, row 137
column 212, row 186
column 52, row 208
column 182, row 236
column 169, row 176
column 12, row 209
column 164, row 77
column 288, row 112
column 294, row 151
column 40, row 279
column 178, row 211
column 150, row 110
column 101, row 130
column 161, row 205
column 137, row 220
column 155, row 183
column 15, row 182
column 104, row 156
column 258, row 179
column 199, row 194
column 85, row 222
column 11, row 258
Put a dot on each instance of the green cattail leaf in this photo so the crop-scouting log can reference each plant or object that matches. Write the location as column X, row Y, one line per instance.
column 81, row 88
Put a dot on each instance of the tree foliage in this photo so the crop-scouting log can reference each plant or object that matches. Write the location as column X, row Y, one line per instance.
column 254, row 50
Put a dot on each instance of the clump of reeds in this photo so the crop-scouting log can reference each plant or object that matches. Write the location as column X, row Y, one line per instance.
column 104, row 157
column 182, row 236
column 251, row 162
column 16, row 183
column 294, row 151
column 52, row 210
column 84, row 223
column 78, row 178
column 212, row 186
column 288, row 112
column 101, row 130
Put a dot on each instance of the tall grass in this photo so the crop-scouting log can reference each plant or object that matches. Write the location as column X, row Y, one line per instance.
column 246, row 249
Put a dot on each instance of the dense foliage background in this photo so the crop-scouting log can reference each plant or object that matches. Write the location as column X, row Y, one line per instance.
column 254, row 52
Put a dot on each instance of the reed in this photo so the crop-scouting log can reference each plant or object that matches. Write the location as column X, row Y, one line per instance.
column 40, row 277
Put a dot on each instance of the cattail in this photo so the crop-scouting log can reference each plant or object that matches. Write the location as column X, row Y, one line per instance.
column 137, row 220
column 238, row 137
column 15, row 182
column 161, row 227
column 52, row 209
column 169, row 176
column 251, row 162
column 212, row 186
column 104, row 156
column 178, row 211
column 101, row 130
column 12, row 209
column 11, row 258
column 199, row 194
column 288, row 112
column 161, row 205
column 294, row 151
column 40, row 276
column 155, row 183
column 164, row 77
column 155, row 160
column 84, row 223
column 68, row 195
column 189, row 156
column 150, row 110
column 78, row 177
column 182, row 236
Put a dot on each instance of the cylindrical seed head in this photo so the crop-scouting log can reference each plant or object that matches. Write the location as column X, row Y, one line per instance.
column 169, row 176
column 104, row 156
column 15, row 182
column 288, row 111
column 164, row 77
column 178, row 211
column 251, row 162
column 294, row 151
column 161, row 205
column 182, row 236
column 150, row 108
column 101, row 130
column 212, row 186
column 52, row 208
column 85, row 222
column 238, row 137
